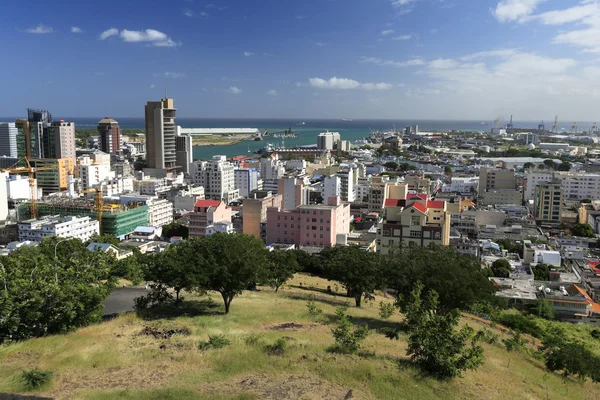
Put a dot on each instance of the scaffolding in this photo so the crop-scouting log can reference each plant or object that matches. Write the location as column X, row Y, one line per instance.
column 117, row 220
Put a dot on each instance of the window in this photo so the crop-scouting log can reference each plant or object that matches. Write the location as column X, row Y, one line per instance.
column 415, row 220
column 279, row 225
column 437, row 235
column 415, row 233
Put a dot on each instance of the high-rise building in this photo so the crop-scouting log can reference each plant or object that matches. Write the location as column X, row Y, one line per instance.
column 246, row 180
column 110, row 136
column 293, row 191
column 184, row 151
column 217, row 176
column 39, row 121
column 547, row 201
column 160, row 134
column 8, row 139
column 254, row 212
column 328, row 140
column 23, row 138
column 59, row 140
column 496, row 179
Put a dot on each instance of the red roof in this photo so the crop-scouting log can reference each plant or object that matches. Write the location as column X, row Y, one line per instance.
column 595, row 306
column 422, row 196
column 207, row 203
column 419, row 207
column 594, row 266
column 394, row 202
column 435, row 204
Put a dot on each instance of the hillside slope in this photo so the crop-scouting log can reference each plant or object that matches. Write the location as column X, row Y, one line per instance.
column 115, row 360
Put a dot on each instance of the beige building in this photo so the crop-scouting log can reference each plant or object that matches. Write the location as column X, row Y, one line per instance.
column 502, row 196
column 415, row 221
column 547, row 201
column 381, row 190
column 254, row 212
column 418, row 182
column 60, row 141
column 161, row 132
column 496, row 179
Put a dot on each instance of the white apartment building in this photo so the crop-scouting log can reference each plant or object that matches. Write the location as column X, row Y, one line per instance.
column 116, row 186
column 92, row 175
column 575, row 186
column 221, row 226
column 17, row 187
column 160, row 212
column 347, row 181
column 332, row 187
column 217, row 176
column 35, row 230
column 3, row 198
column 246, row 180
column 328, row 140
column 152, row 186
column 462, row 185
column 8, row 139
column 271, row 169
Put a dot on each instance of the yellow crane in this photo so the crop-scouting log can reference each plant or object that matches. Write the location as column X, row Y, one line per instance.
column 31, row 171
column 98, row 204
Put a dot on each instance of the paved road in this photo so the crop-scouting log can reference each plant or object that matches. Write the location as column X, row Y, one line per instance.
column 121, row 300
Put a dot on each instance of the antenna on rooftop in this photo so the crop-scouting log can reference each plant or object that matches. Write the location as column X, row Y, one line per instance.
column 165, row 86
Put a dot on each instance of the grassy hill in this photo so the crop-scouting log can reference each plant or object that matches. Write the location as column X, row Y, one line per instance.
column 115, row 360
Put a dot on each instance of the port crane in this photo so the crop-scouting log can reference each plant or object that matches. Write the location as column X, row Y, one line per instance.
column 541, row 127
column 555, row 125
column 31, row 172
column 574, row 127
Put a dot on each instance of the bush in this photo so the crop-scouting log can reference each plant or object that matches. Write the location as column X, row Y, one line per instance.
column 214, row 342
column 277, row 348
column 313, row 310
column 36, row 378
column 521, row 323
column 595, row 333
column 346, row 339
column 159, row 294
column 515, row 342
column 386, row 310
column 390, row 333
column 253, row 339
column 487, row 336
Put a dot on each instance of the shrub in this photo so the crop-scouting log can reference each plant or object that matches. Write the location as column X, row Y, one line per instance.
column 159, row 294
column 347, row 340
column 521, row 323
column 277, row 348
column 487, row 336
column 386, row 310
column 215, row 342
column 36, row 378
column 390, row 333
column 253, row 339
column 515, row 342
column 595, row 333
column 313, row 310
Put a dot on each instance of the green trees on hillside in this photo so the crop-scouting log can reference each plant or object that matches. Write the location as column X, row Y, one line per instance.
column 501, row 268
column 42, row 295
column 583, row 230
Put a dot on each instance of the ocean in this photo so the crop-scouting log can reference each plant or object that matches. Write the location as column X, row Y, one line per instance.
column 307, row 134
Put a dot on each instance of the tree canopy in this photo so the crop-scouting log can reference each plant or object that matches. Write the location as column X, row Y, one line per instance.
column 583, row 230
column 501, row 268
column 282, row 267
column 358, row 271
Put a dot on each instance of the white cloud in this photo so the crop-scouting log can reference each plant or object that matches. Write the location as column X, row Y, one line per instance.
column 152, row 86
column 108, row 33
column 387, row 32
column 150, row 36
column 403, row 37
column 40, row 29
column 188, row 13
column 300, row 17
column 400, row 64
column 346, row 84
column 320, row 44
column 173, row 75
column 76, row 29
column 515, row 10
column 272, row 92
column 204, row 14
column 235, row 90
column 400, row 3
column 248, row 54
column 443, row 63
column 573, row 14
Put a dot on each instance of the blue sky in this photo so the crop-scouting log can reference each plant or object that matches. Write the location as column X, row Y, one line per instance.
column 443, row 59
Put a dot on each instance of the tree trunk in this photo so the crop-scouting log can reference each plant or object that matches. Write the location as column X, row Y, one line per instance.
column 358, row 299
column 276, row 289
column 227, row 301
column 177, row 295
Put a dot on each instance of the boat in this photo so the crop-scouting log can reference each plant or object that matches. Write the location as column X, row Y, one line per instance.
column 267, row 149
column 248, row 148
column 299, row 123
column 347, row 120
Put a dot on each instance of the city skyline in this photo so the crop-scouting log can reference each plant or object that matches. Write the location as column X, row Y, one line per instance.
column 408, row 59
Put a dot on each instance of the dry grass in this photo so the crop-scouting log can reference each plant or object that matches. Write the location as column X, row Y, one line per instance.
column 112, row 360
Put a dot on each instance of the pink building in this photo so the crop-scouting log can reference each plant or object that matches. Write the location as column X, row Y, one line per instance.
column 207, row 212
column 309, row 225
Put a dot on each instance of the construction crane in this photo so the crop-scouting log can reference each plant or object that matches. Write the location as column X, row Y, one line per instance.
column 31, row 171
column 98, row 203
column 555, row 125
column 541, row 127
column 510, row 126
column 574, row 127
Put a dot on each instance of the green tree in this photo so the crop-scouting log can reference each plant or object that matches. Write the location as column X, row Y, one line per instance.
column 565, row 166
column 434, row 344
column 347, row 340
column 550, row 164
column 391, row 165
column 458, row 279
column 527, row 166
column 104, row 238
column 583, row 230
column 357, row 270
column 174, row 268
column 447, row 170
column 541, row 272
column 570, row 357
column 229, row 263
column 543, row 309
column 175, row 229
column 501, row 268
column 282, row 267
